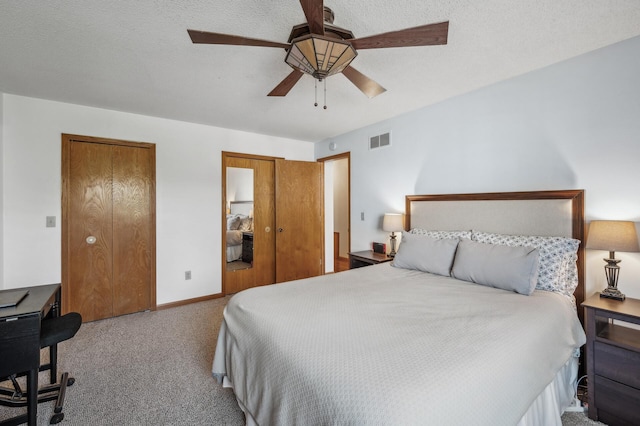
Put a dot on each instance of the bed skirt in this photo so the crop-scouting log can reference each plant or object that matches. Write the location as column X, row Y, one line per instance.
column 554, row 399
column 234, row 252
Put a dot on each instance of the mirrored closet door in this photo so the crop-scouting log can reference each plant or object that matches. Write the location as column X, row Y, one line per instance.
column 273, row 220
column 248, row 235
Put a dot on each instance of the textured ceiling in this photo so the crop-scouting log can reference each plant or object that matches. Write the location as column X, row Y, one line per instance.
column 136, row 56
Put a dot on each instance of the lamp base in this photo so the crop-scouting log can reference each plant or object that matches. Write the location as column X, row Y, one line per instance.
column 611, row 271
column 392, row 253
column 612, row 293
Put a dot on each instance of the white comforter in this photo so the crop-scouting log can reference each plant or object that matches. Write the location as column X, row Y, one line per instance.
column 382, row 345
column 234, row 238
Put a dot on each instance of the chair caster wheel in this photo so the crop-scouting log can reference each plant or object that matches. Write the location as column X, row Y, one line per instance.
column 71, row 381
column 56, row 418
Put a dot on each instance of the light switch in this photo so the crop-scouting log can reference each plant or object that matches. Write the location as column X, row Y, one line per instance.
column 51, row 221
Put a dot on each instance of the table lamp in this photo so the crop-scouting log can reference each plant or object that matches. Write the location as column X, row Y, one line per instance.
column 392, row 222
column 612, row 235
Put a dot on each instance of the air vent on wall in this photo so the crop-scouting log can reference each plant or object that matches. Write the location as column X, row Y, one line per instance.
column 380, row 141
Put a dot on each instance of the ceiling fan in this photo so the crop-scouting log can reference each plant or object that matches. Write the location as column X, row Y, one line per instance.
column 321, row 49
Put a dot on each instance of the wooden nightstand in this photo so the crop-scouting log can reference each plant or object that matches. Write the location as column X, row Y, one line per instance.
column 359, row 259
column 613, row 360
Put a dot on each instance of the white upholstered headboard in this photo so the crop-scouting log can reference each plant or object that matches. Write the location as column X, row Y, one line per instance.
column 241, row 207
column 547, row 213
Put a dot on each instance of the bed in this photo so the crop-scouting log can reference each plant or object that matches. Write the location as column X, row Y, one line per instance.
column 407, row 343
column 239, row 221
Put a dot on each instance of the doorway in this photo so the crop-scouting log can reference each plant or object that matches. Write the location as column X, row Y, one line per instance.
column 108, row 226
column 338, row 210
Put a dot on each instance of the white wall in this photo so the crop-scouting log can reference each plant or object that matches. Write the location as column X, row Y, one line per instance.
column 573, row 125
column 239, row 184
column 329, row 178
column 188, row 185
column 341, row 203
column 336, row 208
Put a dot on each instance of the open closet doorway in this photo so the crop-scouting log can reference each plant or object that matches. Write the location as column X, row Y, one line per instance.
column 337, row 169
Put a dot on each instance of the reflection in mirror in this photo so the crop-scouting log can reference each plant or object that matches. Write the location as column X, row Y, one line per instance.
column 239, row 238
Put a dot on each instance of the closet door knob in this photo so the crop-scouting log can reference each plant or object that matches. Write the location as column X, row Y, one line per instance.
column 91, row 239
column 280, row 229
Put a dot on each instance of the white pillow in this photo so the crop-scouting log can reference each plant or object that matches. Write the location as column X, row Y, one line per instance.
column 557, row 267
column 425, row 254
column 505, row 267
column 438, row 235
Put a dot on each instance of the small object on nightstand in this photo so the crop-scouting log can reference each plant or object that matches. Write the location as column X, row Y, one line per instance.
column 612, row 235
column 613, row 360
column 359, row 259
column 380, row 248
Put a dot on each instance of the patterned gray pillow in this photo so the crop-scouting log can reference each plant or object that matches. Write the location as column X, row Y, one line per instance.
column 439, row 235
column 557, row 268
column 233, row 222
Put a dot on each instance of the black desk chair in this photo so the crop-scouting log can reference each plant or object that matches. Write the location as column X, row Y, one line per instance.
column 14, row 347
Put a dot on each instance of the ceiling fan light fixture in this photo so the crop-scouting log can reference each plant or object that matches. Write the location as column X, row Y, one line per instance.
column 320, row 49
column 320, row 56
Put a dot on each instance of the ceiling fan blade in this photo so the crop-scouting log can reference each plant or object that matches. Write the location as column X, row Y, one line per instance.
column 314, row 12
column 287, row 84
column 362, row 82
column 204, row 37
column 425, row 35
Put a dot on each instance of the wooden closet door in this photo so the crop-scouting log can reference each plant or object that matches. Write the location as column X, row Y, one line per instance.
column 299, row 219
column 264, row 234
column 90, row 267
column 263, row 270
column 108, row 227
column 131, row 229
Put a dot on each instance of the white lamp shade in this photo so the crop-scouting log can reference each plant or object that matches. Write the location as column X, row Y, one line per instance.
column 392, row 222
column 613, row 235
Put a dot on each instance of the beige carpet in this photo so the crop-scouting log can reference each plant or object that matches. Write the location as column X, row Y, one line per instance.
column 153, row 368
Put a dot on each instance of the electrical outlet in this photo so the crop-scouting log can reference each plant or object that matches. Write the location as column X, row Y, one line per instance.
column 187, row 275
column 361, row 215
column 51, row 221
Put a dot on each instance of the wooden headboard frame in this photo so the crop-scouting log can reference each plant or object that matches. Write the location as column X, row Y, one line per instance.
column 575, row 198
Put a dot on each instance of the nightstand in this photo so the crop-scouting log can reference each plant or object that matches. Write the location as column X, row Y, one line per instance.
column 358, row 259
column 247, row 247
column 613, row 360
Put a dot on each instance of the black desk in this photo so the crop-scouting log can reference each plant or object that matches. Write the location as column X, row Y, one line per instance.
column 20, row 331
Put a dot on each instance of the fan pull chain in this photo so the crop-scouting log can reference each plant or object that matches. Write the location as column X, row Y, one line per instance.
column 325, row 93
column 315, row 83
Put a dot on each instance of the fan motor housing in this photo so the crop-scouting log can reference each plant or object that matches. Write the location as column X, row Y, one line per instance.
column 330, row 30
